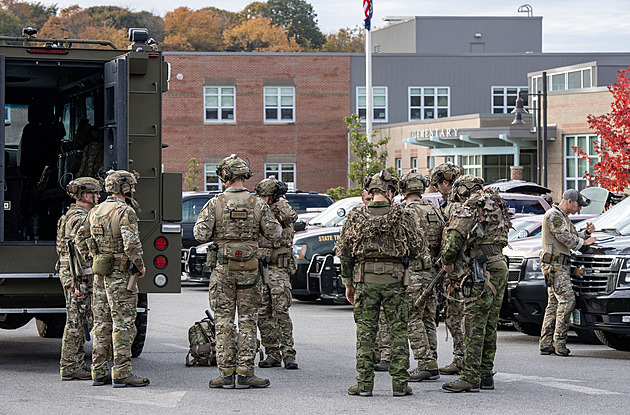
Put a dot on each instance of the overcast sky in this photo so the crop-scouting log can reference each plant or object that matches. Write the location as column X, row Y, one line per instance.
column 568, row 26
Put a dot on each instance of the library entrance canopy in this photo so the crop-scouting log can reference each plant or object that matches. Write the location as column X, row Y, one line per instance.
column 456, row 142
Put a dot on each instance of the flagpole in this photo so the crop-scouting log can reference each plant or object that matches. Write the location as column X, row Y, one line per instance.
column 369, row 111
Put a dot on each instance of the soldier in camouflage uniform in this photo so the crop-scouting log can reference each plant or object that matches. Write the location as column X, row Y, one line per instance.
column 442, row 178
column 558, row 238
column 235, row 220
column 375, row 243
column 422, row 332
column 274, row 322
column 478, row 232
column 112, row 241
column 77, row 288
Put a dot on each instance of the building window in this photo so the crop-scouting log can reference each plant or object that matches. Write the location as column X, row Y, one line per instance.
column 219, row 103
column 279, row 104
column 414, row 164
column 398, row 162
column 211, row 180
column 379, row 97
column 560, row 81
column 575, row 167
column 285, row 172
column 504, row 98
column 472, row 165
column 427, row 103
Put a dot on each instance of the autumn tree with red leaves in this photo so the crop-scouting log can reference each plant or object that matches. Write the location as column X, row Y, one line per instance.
column 612, row 172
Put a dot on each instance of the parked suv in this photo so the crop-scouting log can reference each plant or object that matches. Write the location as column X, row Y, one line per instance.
column 600, row 276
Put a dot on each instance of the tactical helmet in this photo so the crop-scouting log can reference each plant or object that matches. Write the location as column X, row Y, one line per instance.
column 233, row 167
column 412, row 182
column 465, row 186
column 381, row 181
column 82, row 185
column 271, row 187
column 120, row 181
column 445, row 171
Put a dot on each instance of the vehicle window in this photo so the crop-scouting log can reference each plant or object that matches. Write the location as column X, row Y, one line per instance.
column 519, row 225
column 526, row 206
column 617, row 217
column 302, row 202
column 191, row 209
column 330, row 216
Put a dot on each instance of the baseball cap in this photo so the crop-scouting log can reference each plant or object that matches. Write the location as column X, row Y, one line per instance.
column 574, row 195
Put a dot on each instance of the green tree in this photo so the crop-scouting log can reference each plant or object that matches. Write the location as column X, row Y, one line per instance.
column 29, row 14
column 298, row 18
column 345, row 40
column 192, row 176
column 9, row 24
column 371, row 158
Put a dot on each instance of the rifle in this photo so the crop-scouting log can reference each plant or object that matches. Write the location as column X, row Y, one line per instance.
column 429, row 289
column 76, row 272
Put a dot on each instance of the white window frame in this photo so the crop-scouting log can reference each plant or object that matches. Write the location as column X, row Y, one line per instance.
column 584, row 72
column 572, row 179
column 414, row 164
column 222, row 91
column 279, row 173
column 436, row 107
column 375, row 92
column 505, row 94
column 473, row 164
column 281, row 92
column 398, row 166
column 210, row 185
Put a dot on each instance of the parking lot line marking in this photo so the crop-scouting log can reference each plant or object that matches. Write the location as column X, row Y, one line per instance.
column 144, row 397
column 566, row 384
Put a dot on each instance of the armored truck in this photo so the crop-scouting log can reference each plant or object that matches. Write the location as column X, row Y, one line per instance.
column 72, row 108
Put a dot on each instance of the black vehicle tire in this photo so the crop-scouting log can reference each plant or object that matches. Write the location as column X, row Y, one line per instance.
column 614, row 340
column 531, row 329
column 51, row 326
column 141, row 326
column 308, row 297
column 15, row 321
column 587, row 336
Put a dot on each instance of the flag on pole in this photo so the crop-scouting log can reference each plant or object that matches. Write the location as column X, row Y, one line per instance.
column 367, row 11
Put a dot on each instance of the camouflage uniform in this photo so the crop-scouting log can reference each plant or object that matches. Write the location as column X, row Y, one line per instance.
column 372, row 244
column 481, row 312
column 111, row 233
column 274, row 322
column 558, row 237
column 383, row 345
column 234, row 220
column 78, row 311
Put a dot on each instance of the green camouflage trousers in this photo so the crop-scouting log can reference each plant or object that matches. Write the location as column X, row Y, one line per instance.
column 368, row 299
column 274, row 322
column 383, row 346
column 114, row 308
column 235, row 350
column 560, row 304
column 453, row 316
column 422, row 334
column 77, row 312
column 480, row 324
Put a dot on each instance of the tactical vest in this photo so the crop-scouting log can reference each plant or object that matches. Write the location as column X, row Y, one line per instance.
column 237, row 224
column 434, row 224
column 65, row 225
column 105, row 227
column 549, row 242
column 284, row 245
column 380, row 236
column 494, row 217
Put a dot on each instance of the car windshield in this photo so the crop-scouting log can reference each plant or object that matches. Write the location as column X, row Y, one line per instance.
column 301, row 202
column 525, row 206
column 520, row 225
column 330, row 216
column 616, row 220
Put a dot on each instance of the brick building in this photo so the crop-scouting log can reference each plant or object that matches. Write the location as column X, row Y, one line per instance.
column 284, row 112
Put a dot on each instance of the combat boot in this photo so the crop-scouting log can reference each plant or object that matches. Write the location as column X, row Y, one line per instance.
column 451, row 369
column 561, row 350
column 356, row 391
column 403, row 392
column 131, row 381
column 104, row 380
column 487, row 382
column 460, row 385
column 290, row 363
column 546, row 351
column 246, row 382
column 382, row 366
column 80, row 374
column 225, row 382
column 418, row 375
column 269, row 362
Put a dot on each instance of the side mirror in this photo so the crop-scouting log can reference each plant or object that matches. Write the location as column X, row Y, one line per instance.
column 300, row 225
column 523, row 234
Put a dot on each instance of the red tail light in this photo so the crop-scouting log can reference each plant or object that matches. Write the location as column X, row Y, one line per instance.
column 160, row 262
column 160, row 243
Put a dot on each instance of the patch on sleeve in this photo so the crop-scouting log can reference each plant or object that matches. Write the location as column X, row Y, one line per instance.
column 557, row 222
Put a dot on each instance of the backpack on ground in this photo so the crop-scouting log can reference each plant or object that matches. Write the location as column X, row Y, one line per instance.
column 201, row 337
